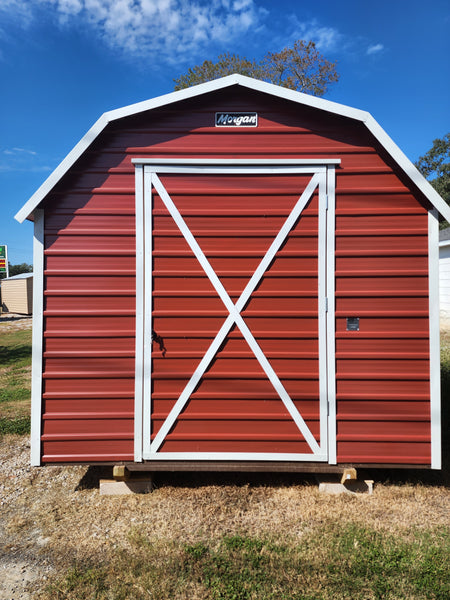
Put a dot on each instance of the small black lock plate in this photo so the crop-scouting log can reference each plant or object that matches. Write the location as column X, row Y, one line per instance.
column 352, row 323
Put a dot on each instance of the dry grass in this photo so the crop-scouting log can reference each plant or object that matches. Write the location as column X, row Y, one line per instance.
column 57, row 513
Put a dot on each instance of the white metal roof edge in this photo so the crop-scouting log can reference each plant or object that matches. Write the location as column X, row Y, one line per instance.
column 217, row 84
column 408, row 167
column 19, row 276
column 61, row 169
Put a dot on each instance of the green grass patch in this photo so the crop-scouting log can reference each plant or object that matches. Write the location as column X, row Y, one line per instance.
column 329, row 563
column 15, row 348
column 15, row 375
column 18, row 426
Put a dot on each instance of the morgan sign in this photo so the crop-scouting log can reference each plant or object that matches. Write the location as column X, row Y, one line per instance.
column 248, row 119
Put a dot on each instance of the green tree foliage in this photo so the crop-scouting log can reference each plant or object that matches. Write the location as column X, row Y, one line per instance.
column 435, row 166
column 300, row 67
column 17, row 269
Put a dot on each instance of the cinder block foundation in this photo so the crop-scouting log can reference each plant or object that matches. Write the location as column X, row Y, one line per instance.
column 353, row 486
column 111, row 487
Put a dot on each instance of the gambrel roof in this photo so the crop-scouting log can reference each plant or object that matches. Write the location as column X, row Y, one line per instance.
column 246, row 82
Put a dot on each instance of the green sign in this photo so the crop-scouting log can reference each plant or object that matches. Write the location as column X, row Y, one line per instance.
column 3, row 260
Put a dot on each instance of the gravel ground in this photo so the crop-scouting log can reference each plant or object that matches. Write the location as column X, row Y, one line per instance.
column 31, row 501
column 20, row 565
column 10, row 321
column 22, row 561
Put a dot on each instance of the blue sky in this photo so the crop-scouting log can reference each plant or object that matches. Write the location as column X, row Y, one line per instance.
column 65, row 62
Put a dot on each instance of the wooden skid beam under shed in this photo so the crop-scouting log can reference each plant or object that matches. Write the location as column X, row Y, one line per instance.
column 256, row 466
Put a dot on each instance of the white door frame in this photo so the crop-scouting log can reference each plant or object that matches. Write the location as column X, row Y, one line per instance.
column 322, row 173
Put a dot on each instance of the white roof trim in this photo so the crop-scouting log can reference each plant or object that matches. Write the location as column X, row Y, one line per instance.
column 254, row 84
column 27, row 276
column 231, row 162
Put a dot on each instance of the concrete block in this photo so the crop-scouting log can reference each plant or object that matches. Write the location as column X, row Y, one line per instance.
column 110, row 487
column 352, row 486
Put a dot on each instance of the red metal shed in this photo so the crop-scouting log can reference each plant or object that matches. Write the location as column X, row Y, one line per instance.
column 236, row 274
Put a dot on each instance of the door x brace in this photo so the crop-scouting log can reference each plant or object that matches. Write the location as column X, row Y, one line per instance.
column 234, row 316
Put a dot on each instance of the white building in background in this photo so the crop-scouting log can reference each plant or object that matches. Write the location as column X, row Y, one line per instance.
column 17, row 294
column 444, row 272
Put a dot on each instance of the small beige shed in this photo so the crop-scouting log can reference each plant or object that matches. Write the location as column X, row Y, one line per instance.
column 17, row 294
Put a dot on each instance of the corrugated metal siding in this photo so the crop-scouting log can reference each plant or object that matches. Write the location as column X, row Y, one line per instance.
column 381, row 276
column 382, row 370
column 235, row 408
column 89, row 327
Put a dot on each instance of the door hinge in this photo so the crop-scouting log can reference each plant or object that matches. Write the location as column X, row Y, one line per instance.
column 326, row 202
column 326, row 304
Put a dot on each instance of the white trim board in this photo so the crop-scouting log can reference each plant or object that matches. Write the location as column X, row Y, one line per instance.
column 435, row 365
column 246, row 82
column 232, row 162
column 37, row 340
column 231, row 456
column 331, row 317
column 140, row 310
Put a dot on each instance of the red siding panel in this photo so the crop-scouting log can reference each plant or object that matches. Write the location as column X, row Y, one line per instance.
column 382, row 370
column 89, row 326
column 210, row 206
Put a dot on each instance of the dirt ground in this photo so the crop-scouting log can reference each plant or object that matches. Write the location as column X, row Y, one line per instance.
column 53, row 517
